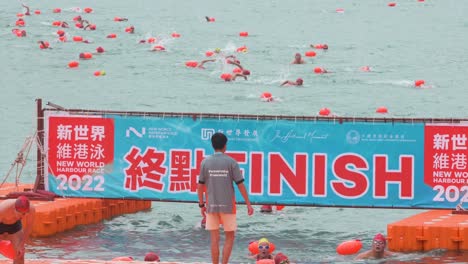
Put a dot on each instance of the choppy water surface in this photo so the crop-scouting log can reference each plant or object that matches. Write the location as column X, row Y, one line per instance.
column 413, row 40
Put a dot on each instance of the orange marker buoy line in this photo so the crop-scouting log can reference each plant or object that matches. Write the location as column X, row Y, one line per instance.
column 382, row 110
column 349, row 247
column 419, row 83
column 6, row 249
column 244, row 34
column 325, row 111
column 266, row 97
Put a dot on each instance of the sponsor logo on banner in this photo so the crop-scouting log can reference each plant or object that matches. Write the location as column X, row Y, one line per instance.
column 135, row 132
column 152, row 132
column 293, row 135
column 232, row 134
column 353, row 137
column 206, row 133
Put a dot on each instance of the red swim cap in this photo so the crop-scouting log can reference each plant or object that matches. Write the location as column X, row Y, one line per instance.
column 281, row 258
column 151, row 256
column 22, row 204
column 246, row 72
column 379, row 237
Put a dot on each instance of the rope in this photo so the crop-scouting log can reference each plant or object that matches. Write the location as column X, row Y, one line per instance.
column 20, row 160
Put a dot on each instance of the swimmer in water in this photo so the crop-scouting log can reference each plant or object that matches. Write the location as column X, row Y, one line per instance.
column 234, row 77
column 378, row 249
column 263, row 250
column 298, row 59
column 43, row 45
column 64, row 24
column 203, row 63
column 120, row 19
column 298, row 82
column 27, row 10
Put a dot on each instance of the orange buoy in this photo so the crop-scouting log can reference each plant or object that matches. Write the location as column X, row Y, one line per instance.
column 175, row 35
column 310, row 53
column 6, row 249
column 318, row 46
column 77, row 38
column 365, row 68
column 151, row 40
column 191, row 64
column 242, row 49
column 392, row 4
column 381, row 110
column 37, row 12
column 73, row 64
column 77, row 18
column 100, row 49
column 237, row 70
column 319, row 70
column 20, row 23
column 340, row 10
column 159, row 48
column 253, row 246
column 57, row 10
column 280, row 207
column 349, row 247
column 112, row 35
column 19, row 33
column 88, row 10
column 226, row 76
column 86, row 55
column 97, row 73
column 130, row 29
column 244, row 34
column 266, row 97
column 78, row 25
column 57, row 23
column 324, row 112
column 60, row 32
column 63, row 38
column 419, row 83
column 19, row 15
column 125, row 258
column 209, row 53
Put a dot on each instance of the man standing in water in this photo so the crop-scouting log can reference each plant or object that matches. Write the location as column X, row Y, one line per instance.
column 12, row 211
column 378, row 249
column 217, row 173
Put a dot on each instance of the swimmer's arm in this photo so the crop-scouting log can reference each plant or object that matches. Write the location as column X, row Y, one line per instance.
column 284, row 83
column 205, row 61
column 237, row 64
column 363, row 255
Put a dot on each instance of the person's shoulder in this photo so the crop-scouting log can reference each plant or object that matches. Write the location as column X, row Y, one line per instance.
column 363, row 255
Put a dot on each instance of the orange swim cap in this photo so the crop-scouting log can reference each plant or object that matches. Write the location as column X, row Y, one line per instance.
column 22, row 204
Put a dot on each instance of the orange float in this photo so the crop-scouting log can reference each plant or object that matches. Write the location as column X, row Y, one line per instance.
column 6, row 249
column 209, row 53
column 151, row 40
column 57, row 23
column 86, row 55
column 62, row 38
column 325, row 111
column 280, row 207
column 20, row 15
column 310, row 53
column 266, row 97
column 340, row 10
column 130, row 29
column 57, row 10
column 175, row 35
column 319, row 70
column 79, row 25
column 419, row 83
column 392, row 4
column 60, row 32
column 226, row 76
column 382, row 110
column 20, row 23
column 77, row 38
column 242, row 49
column 237, row 70
column 349, row 247
column 73, row 64
column 191, row 64
column 244, row 34
column 112, row 35
column 37, row 12
column 88, row 10
column 159, row 48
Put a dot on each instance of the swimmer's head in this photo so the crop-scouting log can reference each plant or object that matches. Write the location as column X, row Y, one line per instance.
column 299, row 81
column 22, row 204
column 297, row 56
column 246, row 72
column 217, row 50
column 325, row 46
column 264, row 246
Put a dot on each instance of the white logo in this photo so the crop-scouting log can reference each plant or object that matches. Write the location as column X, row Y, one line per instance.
column 206, row 133
column 353, row 137
column 136, row 132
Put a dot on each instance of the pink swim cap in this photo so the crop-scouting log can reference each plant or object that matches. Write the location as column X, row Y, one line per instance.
column 151, row 256
column 22, row 204
column 379, row 237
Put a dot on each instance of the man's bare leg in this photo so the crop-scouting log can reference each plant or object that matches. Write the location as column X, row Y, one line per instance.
column 228, row 243
column 214, row 246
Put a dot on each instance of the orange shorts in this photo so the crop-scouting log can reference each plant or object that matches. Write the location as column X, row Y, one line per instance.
column 227, row 220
